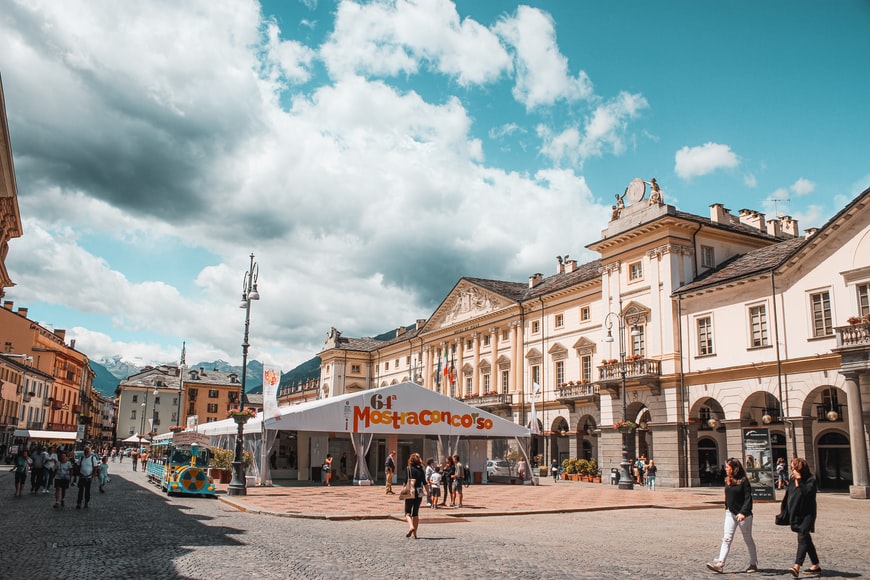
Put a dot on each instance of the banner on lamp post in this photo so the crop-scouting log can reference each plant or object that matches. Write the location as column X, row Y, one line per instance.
column 271, row 380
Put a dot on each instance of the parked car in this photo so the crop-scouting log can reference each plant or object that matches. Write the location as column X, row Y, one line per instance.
column 498, row 468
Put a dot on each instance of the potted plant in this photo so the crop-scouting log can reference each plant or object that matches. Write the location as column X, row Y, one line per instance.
column 176, row 429
column 241, row 415
column 625, row 426
column 856, row 319
column 594, row 471
column 221, row 465
column 582, row 469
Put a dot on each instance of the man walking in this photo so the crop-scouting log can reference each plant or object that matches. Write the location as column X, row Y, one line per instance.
column 88, row 467
column 458, row 480
column 390, row 469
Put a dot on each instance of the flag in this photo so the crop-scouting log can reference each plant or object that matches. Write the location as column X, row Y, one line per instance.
column 438, row 372
column 271, row 379
column 536, row 388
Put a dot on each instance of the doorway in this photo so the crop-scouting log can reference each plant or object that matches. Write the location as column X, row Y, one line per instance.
column 835, row 462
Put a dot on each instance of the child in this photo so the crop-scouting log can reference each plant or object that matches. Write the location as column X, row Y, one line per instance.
column 435, row 488
column 104, row 473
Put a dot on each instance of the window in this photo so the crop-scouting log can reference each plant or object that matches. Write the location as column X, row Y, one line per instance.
column 635, row 271
column 407, row 361
column 758, row 325
column 585, row 313
column 560, row 372
column 485, row 340
column 156, row 400
column 133, row 415
column 468, row 385
column 156, row 418
column 708, row 257
column 536, row 374
column 486, row 383
column 135, row 398
column 863, row 299
column 586, row 368
column 355, row 369
column 469, row 345
column 705, row 335
column 505, row 381
column 505, row 335
column 210, row 419
column 212, row 393
column 638, row 342
column 212, row 408
column 387, row 366
column 536, row 327
column 559, row 320
column 397, row 363
column 820, row 304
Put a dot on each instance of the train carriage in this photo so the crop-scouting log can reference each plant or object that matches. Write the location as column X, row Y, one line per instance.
column 180, row 465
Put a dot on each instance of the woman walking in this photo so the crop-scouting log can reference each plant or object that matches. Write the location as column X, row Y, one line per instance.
column 447, row 478
column 21, row 466
column 799, row 512
column 651, row 470
column 416, row 472
column 738, row 513
column 62, row 479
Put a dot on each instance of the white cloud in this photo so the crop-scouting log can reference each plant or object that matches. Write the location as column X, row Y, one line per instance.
column 392, row 38
column 802, row 187
column 749, row 180
column 603, row 132
column 702, row 160
column 542, row 76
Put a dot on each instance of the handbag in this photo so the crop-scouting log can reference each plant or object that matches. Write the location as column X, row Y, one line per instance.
column 409, row 488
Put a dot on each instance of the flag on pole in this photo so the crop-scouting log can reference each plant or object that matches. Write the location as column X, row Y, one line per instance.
column 438, row 372
column 271, row 379
column 536, row 388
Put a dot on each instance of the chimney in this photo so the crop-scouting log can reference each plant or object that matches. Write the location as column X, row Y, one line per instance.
column 7, row 304
column 535, row 279
column 560, row 268
column 789, row 226
column 420, row 323
column 72, row 343
column 774, row 228
column 752, row 219
column 720, row 214
column 400, row 331
column 22, row 312
column 60, row 333
column 810, row 232
column 570, row 266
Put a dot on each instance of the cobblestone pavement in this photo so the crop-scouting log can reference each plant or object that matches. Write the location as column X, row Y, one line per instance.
column 134, row 531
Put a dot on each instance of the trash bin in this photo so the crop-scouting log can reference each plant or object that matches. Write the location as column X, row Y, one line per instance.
column 614, row 476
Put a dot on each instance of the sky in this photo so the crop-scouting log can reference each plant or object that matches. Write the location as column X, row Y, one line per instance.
column 370, row 154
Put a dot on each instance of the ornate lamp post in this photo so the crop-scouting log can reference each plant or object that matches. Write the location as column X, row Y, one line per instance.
column 624, row 319
column 249, row 292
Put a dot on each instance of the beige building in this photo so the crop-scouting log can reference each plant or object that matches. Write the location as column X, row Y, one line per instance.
column 10, row 219
column 699, row 330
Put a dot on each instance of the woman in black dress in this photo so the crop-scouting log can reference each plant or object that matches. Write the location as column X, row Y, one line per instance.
column 799, row 512
column 447, row 478
column 416, row 472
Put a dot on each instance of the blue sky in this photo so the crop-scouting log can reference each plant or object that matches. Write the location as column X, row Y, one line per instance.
column 371, row 153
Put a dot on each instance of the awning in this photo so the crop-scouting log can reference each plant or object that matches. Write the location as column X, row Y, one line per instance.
column 50, row 435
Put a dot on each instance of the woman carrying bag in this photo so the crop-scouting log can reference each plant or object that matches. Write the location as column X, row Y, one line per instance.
column 412, row 492
column 798, row 511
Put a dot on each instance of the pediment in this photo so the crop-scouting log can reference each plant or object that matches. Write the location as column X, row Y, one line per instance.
column 466, row 302
column 557, row 349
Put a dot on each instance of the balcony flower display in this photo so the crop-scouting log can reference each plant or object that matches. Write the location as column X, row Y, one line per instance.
column 625, row 426
column 151, row 434
column 176, row 428
column 241, row 414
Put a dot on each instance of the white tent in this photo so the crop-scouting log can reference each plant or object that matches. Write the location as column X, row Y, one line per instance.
column 404, row 408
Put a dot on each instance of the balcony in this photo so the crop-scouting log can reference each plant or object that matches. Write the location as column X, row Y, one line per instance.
column 571, row 394
column 490, row 400
column 642, row 372
column 853, row 346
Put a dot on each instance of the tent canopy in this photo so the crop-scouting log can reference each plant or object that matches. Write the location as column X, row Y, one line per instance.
column 52, row 435
column 404, row 408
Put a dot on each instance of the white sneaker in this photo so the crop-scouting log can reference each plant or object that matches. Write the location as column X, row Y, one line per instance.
column 44, row 491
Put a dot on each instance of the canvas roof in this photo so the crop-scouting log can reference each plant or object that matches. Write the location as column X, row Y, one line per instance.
column 405, row 408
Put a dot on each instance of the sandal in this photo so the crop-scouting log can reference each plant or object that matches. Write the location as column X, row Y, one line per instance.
column 813, row 570
column 795, row 571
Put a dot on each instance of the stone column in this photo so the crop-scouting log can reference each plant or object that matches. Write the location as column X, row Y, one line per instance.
column 460, row 379
column 426, row 369
column 860, row 488
column 495, row 372
column 515, row 358
column 475, row 363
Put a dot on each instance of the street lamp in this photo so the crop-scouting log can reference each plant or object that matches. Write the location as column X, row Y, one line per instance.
column 249, row 292
column 624, row 319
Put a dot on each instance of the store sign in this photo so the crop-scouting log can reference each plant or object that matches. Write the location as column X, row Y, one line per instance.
column 758, row 463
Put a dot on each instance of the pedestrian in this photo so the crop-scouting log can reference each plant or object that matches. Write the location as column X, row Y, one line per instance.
column 738, row 513
column 521, row 469
column 37, row 469
column 326, row 468
column 458, row 481
column 430, row 469
column 434, row 487
column 447, row 478
column 50, row 467
column 389, row 470
column 651, row 470
column 342, row 467
column 134, row 457
column 20, row 466
column 104, row 473
column 781, row 475
column 121, row 456
column 62, row 478
column 89, row 467
column 798, row 511
column 554, row 469
column 415, row 472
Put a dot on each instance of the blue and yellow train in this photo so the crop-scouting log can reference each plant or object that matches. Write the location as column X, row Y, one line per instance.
column 180, row 465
